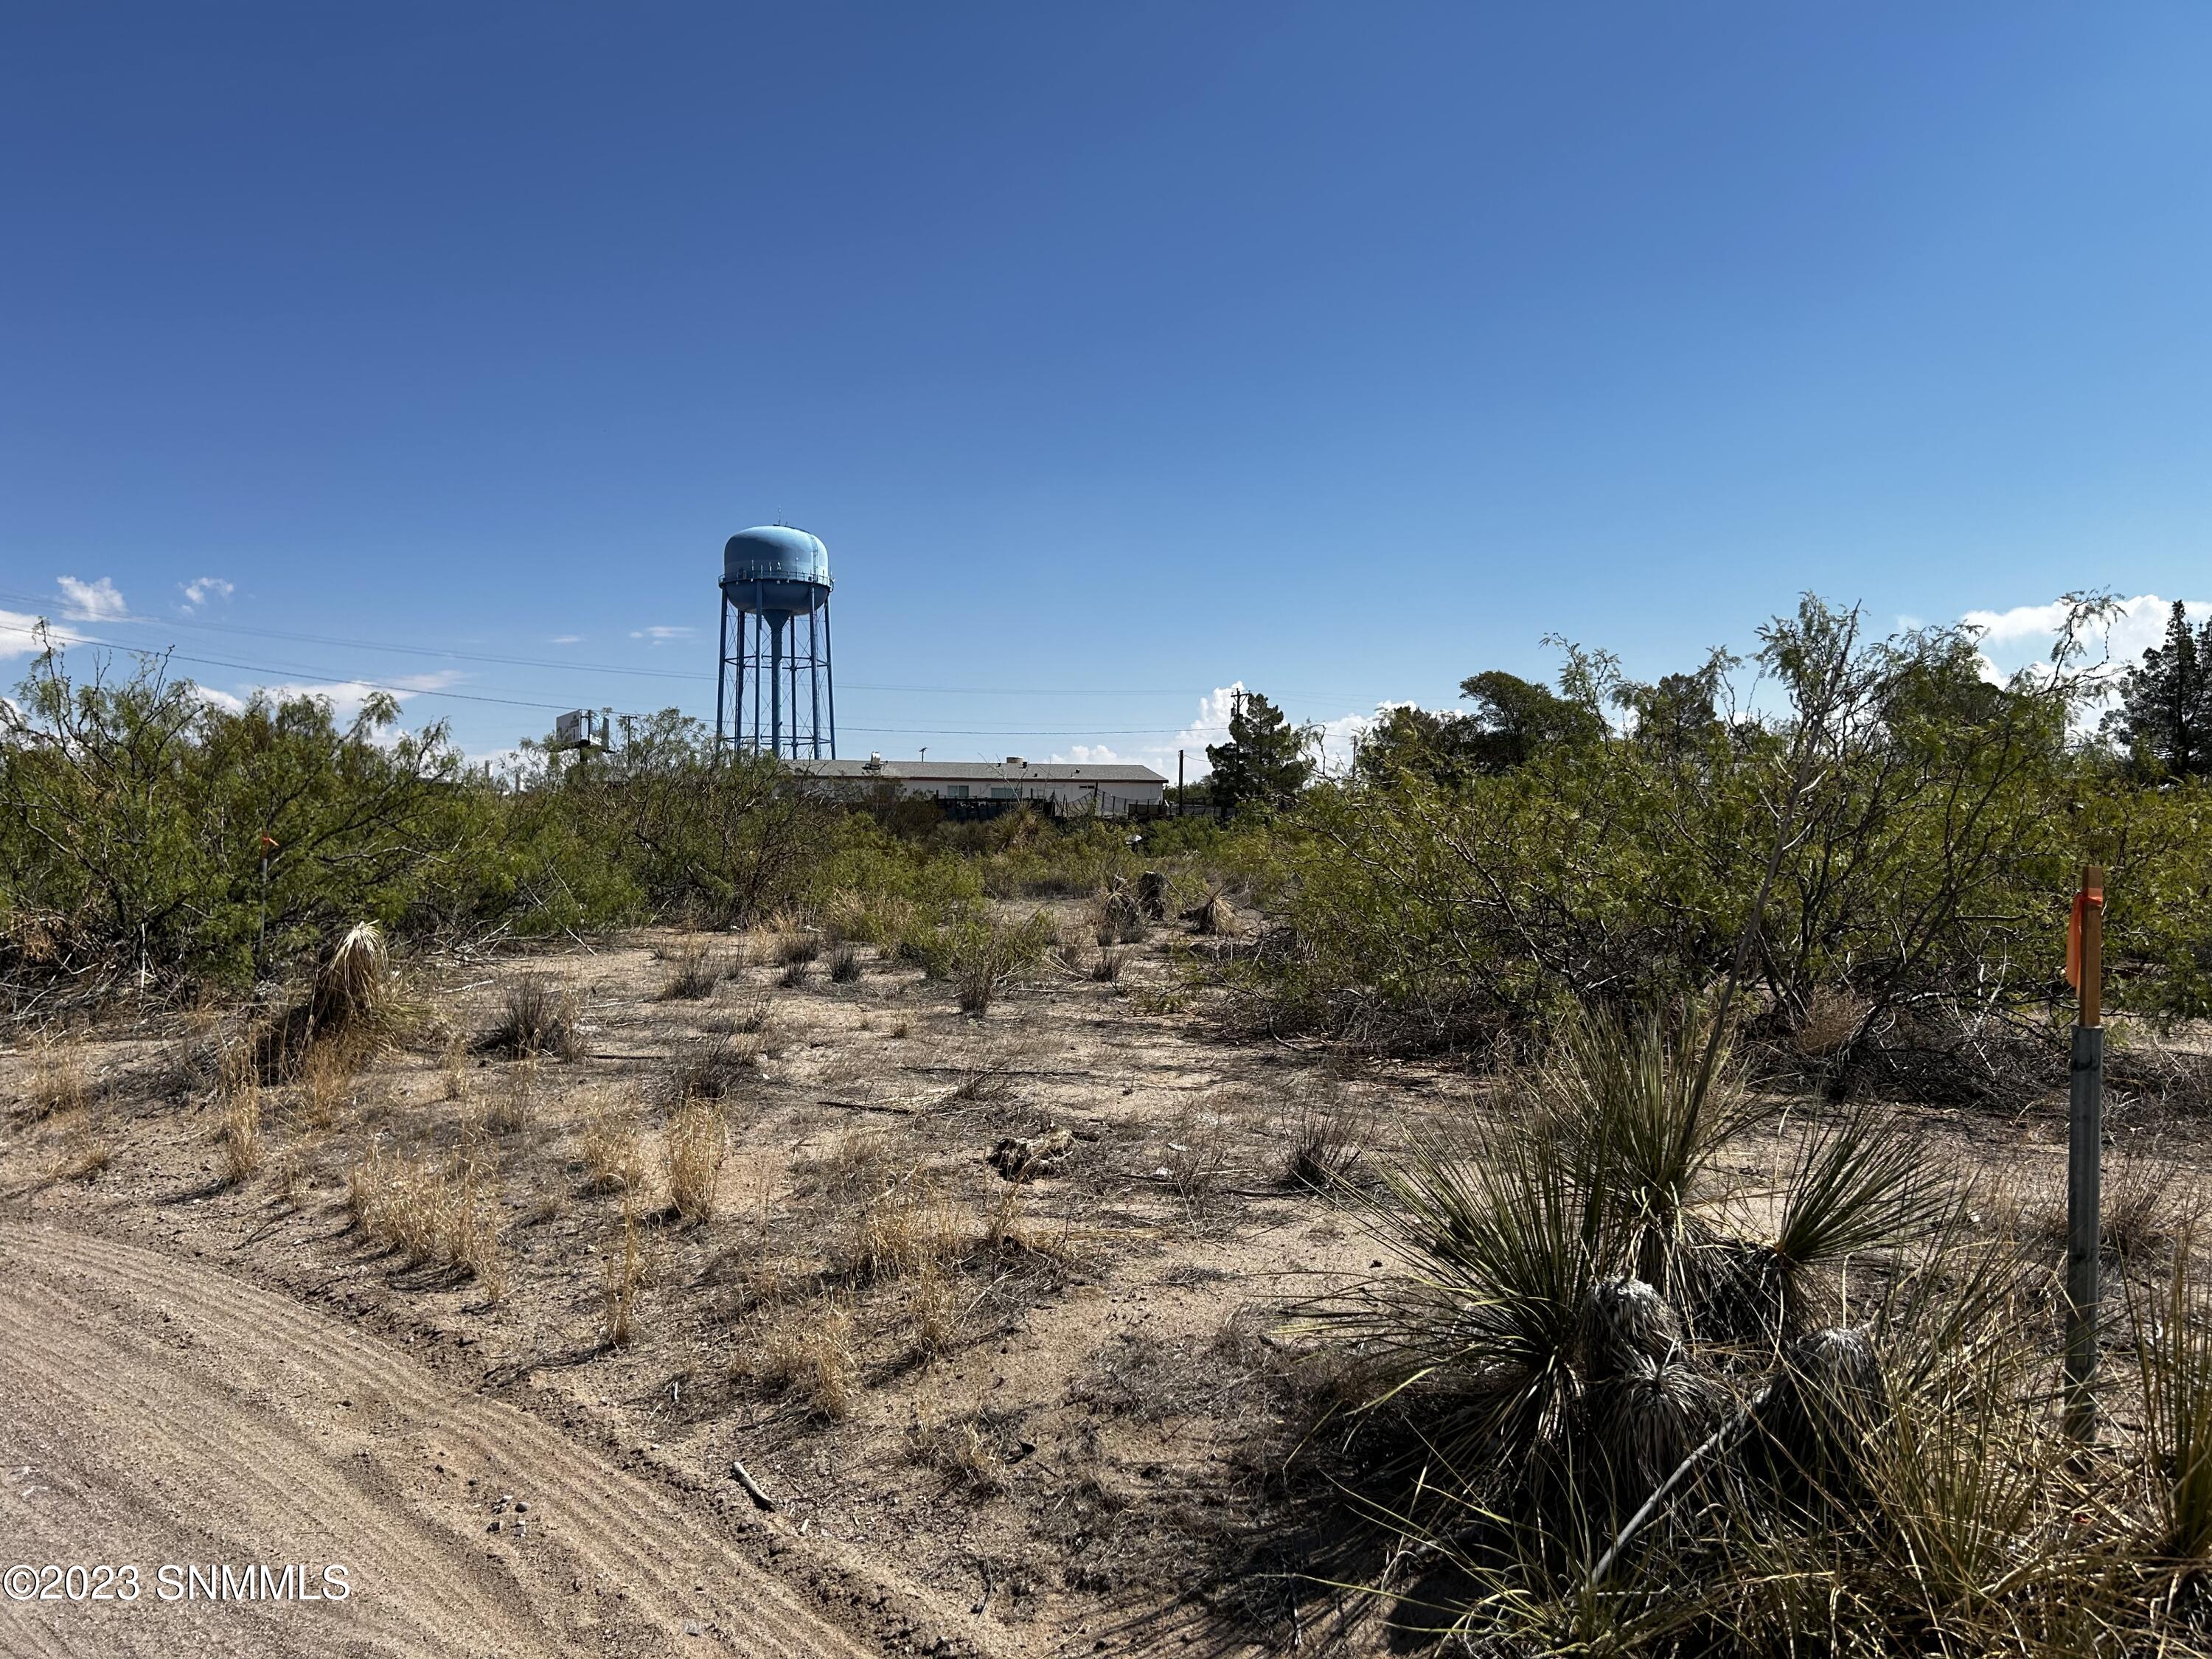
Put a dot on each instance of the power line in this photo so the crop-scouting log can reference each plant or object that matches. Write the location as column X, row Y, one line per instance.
column 333, row 676
column 692, row 675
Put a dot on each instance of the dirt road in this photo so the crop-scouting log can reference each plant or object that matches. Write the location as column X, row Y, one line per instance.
column 153, row 1411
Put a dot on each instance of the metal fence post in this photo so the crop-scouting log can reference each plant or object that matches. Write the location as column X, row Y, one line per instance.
column 2085, row 1138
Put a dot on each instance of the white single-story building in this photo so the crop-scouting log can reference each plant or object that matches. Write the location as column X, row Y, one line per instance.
column 1109, row 791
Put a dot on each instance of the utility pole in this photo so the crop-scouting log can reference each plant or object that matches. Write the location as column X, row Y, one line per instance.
column 2085, row 1137
column 1178, row 783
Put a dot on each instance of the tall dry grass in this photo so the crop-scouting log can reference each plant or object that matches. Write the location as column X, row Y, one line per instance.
column 697, row 1143
column 431, row 1211
column 59, row 1081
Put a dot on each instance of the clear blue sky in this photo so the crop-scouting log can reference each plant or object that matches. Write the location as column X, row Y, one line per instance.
column 1341, row 350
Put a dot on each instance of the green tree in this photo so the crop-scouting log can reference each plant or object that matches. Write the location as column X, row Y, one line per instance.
column 1515, row 720
column 2165, row 715
column 1265, row 762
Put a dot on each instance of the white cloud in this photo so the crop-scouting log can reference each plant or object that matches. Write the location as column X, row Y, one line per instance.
column 1337, row 738
column 661, row 635
column 93, row 601
column 20, row 636
column 2025, row 634
column 201, row 589
column 345, row 697
column 565, row 639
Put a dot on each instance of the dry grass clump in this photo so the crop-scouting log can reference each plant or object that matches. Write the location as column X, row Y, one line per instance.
column 710, row 1068
column 746, row 1016
column 985, row 1076
column 323, row 1076
column 798, row 973
column 1106, row 967
column 240, row 1134
column 515, row 1108
column 622, row 1276
column 2143, row 1213
column 844, row 963
column 453, row 1066
column 697, row 1143
column 934, row 1312
column 902, row 1228
column 430, row 1212
column 58, row 1079
column 806, row 1350
column 1197, row 1164
column 85, row 1153
column 614, row 1161
column 696, row 971
column 537, row 1018
column 1325, row 1142
column 2147, row 1208
column 1833, row 1016
column 963, row 1448
column 801, row 946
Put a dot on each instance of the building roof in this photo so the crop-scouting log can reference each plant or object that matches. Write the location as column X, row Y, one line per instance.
column 973, row 772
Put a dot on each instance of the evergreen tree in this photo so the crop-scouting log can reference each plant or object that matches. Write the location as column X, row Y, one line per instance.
column 2165, row 715
column 1515, row 720
column 1264, row 762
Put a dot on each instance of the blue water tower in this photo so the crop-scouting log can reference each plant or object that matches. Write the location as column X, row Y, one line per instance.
column 774, row 579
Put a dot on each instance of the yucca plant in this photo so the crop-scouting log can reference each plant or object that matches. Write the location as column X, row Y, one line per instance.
column 2174, row 1347
column 1621, row 1363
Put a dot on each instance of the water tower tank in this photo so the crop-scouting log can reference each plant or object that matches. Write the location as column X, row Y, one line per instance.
column 776, row 570
column 775, row 652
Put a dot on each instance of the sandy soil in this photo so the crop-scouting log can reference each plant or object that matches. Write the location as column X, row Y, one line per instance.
column 1063, row 1410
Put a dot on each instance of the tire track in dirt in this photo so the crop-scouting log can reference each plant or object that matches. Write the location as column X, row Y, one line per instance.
column 161, row 1411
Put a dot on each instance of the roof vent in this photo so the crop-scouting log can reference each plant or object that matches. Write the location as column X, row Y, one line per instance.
column 875, row 761
column 1016, row 760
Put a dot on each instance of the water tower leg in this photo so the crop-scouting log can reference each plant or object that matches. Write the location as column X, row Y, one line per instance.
column 776, row 684
column 829, row 674
column 721, row 675
column 814, row 677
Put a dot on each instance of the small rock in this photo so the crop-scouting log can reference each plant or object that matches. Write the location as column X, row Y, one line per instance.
column 693, row 1627
column 522, row 1509
column 494, row 1526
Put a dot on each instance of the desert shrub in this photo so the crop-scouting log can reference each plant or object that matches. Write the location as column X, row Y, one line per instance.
column 980, row 955
column 537, row 1018
column 694, row 972
column 710, row 1067
column 154, row 833
column 1117, row 914
column 1936, row 825
column 1106, row 967
column 844, row 964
